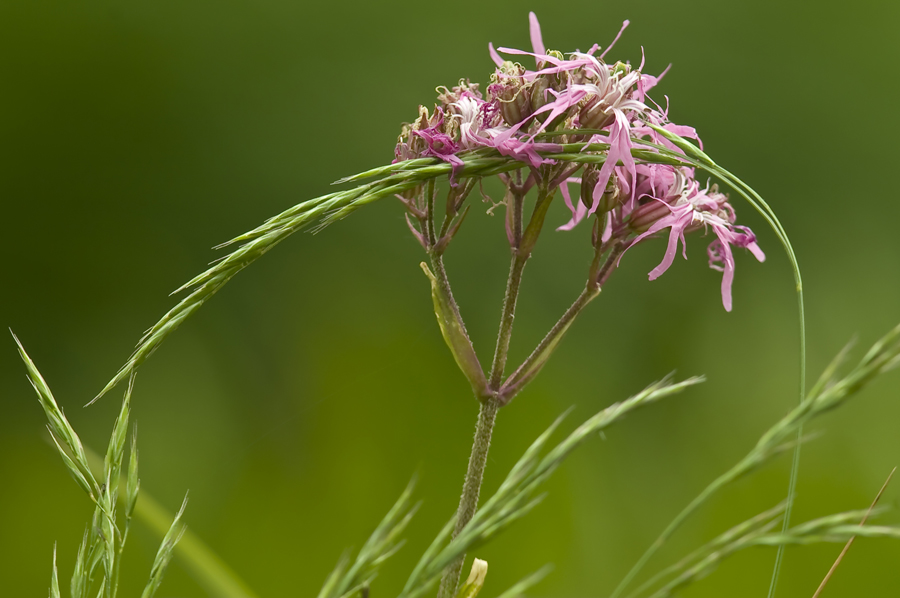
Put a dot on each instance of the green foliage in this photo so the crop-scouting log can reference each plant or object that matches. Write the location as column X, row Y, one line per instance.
column 164, row 554
column 104, row 540
column 344, row 581
column 515, row 498
column 54, row 579
column 757, row 531
column 827, row 394
column 517, row 495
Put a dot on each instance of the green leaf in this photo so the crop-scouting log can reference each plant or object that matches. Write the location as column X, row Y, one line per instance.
column 455, row 336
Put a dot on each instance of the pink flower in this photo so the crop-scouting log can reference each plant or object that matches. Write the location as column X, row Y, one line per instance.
column 474, row 116
column 440, row 144
column 697, row 208
column 606, row 96
column 719, row 251
column 597, row 104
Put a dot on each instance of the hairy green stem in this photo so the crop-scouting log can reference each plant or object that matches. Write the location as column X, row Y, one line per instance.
column 429, row 213
column 487, row 415
column 597, row 276
column 468, row 502
column 507, row 318
column 521, row 253
column 533, row 364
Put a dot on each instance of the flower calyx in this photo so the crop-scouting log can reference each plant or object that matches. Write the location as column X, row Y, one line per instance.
column 510, row 93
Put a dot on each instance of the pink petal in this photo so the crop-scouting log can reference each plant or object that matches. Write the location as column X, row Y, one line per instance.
column 578, row 210
column 677, row 232
column 536, row 42
column 727, row 266
column 619, row 149
column 607, row 232
column 625, row 25
column 494, row 56
column 542, row 57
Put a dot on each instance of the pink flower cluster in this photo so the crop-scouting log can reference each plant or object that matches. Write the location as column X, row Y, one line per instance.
column 600, row 103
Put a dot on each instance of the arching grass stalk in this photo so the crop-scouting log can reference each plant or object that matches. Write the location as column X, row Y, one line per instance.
column 403, row 177
column 763, row 208
column 827, row 394
column 323, row 211
column 699, row 159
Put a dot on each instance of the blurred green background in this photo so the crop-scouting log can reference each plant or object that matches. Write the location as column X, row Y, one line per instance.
column 297, row 404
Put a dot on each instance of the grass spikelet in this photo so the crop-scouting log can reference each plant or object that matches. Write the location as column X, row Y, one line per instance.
column 349, row 580
column 54, row 578
column 829, row 394
column 517, row 494
column 132, row 481
column 833, row 528
column 60, row 428
column 164, row 554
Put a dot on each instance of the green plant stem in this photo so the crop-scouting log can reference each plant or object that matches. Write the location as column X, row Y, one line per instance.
column 792, row 493
column 597, row 277
column 532, row 365
column 487, row 415
column 468, row 502
column 429, row 213
column 501, row 353
column 521, row 253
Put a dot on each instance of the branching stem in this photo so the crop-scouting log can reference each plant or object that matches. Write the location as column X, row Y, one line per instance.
column 487, row 414
column 521, row 253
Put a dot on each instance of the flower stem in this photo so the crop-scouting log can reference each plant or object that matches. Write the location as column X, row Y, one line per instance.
column 533, row 364
column 487, row 415
column 521, row 253
column 597, row 277
column 507, row 318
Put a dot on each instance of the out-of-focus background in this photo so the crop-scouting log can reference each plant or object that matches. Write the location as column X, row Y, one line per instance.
column 298, row 403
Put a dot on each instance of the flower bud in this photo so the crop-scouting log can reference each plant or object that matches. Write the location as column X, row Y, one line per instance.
column 454, row 333
column 475, row 581
column 594, row 114
column 589, row 179
column 643, row 217
column 510, row 93
column 540, row 94
column 611, row 195
column 620, row 68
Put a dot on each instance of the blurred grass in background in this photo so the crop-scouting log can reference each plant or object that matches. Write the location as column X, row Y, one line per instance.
column 298, row 403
